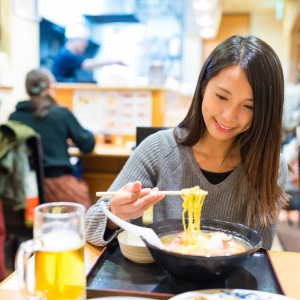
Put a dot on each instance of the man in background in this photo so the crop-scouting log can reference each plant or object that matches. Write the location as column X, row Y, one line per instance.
column 69, row 57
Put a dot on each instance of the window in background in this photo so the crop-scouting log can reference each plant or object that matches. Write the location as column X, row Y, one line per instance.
column 151, row 45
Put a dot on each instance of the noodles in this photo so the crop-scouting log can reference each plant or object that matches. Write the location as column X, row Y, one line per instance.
column 193, row 200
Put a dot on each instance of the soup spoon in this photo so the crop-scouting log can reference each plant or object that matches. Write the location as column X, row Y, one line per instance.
column 147, row 233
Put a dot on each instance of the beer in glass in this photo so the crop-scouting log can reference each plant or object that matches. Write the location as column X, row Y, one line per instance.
column 58, row 244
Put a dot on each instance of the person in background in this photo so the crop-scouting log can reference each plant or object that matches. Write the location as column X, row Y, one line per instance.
column 69, row 57
column 55, row 124
column 228, row 144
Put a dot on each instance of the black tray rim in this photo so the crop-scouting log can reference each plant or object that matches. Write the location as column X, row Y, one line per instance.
column 117, row 292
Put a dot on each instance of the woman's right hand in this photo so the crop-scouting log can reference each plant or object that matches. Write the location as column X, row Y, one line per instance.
column 132, row 204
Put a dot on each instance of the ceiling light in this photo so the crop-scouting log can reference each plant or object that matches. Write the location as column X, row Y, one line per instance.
column 205, row 21
column 204, row 4
column 207, row 32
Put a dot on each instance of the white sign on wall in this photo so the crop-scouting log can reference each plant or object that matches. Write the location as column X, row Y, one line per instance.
column 6, row 76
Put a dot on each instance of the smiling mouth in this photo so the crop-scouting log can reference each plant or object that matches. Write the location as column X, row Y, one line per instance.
column 222, row 126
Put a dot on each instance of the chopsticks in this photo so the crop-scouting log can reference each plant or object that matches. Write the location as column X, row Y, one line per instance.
column 99, row 194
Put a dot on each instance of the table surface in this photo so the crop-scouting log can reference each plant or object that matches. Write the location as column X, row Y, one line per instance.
column 103, row 150
column 286, row 264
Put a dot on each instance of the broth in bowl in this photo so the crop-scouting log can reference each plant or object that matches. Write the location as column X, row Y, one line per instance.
column 204, row 244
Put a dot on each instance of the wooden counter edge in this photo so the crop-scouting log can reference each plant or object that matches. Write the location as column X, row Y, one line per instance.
column 7, row 278
column 117, row 152
column 287, row 268
column 94, row 249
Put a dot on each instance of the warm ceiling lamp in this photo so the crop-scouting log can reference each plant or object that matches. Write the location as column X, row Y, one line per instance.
column 207, row 32
column 205, row 21
column 204, row 5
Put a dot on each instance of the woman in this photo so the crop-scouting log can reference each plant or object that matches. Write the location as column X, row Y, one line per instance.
column 228, row 144
column 55, row 124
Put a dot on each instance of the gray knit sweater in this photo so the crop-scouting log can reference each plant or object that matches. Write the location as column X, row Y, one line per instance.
column 161, row 162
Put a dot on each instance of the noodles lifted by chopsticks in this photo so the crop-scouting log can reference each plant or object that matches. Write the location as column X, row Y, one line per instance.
column 193, row 200
column 192, row 241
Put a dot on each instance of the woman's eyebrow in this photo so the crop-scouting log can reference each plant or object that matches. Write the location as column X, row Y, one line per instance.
column 226, row 91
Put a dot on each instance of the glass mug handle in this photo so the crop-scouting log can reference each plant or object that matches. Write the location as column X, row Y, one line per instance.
column 24, row 252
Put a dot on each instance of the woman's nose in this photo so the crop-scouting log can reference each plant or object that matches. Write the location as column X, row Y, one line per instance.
column 230, row 113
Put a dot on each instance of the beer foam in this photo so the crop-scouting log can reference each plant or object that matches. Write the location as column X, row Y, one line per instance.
column 60, row 240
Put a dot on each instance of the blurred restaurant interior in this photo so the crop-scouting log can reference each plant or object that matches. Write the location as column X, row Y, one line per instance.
column 137, row 67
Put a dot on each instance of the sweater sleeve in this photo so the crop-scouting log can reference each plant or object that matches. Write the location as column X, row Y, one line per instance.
column 268, row 232
column 83, row 139
column 143, row 165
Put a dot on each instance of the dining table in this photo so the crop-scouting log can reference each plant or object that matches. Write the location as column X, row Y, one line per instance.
column 286, row 265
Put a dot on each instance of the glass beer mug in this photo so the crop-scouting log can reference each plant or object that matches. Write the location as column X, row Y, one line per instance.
column 58, row 245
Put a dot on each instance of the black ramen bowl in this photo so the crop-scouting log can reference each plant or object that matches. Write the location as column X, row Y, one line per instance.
column 204, row 268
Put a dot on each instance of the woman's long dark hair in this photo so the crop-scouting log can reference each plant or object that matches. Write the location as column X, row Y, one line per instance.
column 37, row 83
column 260, row 145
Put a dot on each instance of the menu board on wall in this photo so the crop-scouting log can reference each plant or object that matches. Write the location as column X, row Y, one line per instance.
column 136, row 110
column 87, row 109
column 110, row 112
column 114, row 112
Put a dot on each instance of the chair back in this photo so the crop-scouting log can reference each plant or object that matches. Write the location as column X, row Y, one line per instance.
column 15, row 220
column 35, row 144
column 143, row 132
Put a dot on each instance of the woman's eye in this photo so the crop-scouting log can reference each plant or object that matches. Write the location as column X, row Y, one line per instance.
column 221, row 97
column 249, row 107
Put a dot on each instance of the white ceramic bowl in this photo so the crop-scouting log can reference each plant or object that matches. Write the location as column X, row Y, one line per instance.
column 134, row 248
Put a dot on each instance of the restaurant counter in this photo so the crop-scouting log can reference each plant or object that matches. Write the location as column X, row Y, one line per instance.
column 286, row 265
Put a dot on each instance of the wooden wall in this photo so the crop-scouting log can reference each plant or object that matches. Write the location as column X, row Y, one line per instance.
column 230, row 24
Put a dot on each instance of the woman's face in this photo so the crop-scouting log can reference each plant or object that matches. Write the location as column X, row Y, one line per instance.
column 227, row 106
